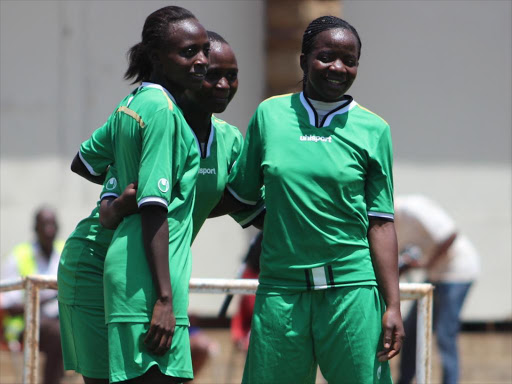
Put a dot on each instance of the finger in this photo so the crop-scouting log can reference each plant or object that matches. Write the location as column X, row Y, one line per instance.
column 386, row 339
column 149, row 335
column 164, row 345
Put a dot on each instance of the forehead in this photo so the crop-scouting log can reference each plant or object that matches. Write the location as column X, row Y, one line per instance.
column 187, row 31
column 221, row 54
column 336, row 38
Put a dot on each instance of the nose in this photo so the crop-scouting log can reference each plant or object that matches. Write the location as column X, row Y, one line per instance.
column 337, row 65
column 223, row 83
column 201, row 59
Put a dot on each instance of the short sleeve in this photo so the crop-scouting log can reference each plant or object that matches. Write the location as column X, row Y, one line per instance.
column 236, row 149
column 246, row 178
column 111, row 187
column 245, row 217
column 97, row 152
column 155, row 169
column 379, row 182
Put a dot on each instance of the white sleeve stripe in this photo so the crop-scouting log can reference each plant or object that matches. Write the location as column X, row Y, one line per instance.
column 153, row 200
column 249, row 202
column 108, row 194
column 87, row 165
column 255, row 214
column 381, row 214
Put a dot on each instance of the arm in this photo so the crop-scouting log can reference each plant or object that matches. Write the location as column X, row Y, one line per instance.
column 155, row 234
column 113, row 210
column 440, row 251
column 227, row 204
column 384, row 253
column 78, row 167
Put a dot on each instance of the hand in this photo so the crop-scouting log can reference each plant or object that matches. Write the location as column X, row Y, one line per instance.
column 161, row 330
column 393, row 330
column 127, row 202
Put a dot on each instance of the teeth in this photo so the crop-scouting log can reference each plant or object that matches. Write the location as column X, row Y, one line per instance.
column 334, row 81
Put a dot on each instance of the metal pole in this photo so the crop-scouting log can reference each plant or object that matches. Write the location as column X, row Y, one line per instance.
column 424, row 339
column 31, row 333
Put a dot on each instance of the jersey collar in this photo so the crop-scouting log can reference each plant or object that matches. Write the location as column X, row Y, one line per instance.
column 147, row 84
column 313, row 117
column 206, row 152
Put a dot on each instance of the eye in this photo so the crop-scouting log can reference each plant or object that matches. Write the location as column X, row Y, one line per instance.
column 206, row 51
column 189, row 52
column 232, row 76
column 324, row 58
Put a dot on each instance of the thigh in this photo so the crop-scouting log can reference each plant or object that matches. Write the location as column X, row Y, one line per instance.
column 280, row 346
column 84, row 340
column 129, row 358
column 347, row 330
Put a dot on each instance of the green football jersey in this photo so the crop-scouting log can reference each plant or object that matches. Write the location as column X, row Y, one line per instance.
column 217, row 157
column 322, row 182
column 150, row 142
column 80, row 274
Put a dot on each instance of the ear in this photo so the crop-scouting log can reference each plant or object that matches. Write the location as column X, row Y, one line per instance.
column 154, row 57
column 303, row 63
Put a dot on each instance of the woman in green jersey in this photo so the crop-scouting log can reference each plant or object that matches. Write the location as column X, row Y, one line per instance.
column 147, row 266
column 328, row 292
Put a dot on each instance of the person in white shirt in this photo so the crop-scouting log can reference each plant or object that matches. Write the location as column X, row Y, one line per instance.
column 429, row 239
column 38, row 257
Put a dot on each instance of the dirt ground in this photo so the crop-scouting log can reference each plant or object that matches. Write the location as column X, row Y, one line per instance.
column 486, row 358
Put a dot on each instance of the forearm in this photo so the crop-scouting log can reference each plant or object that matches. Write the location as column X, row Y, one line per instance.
column 227, row 204
column 80, row 169
column 384, row 253
column 155, row 234
column 440, row 251
column 110, row 216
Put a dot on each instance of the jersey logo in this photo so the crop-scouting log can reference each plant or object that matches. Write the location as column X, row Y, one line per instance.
column 163, row 185
column 207, row 171
column 111, row 184
column 324, row 139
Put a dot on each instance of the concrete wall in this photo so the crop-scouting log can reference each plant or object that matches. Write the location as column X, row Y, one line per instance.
column 440, row 73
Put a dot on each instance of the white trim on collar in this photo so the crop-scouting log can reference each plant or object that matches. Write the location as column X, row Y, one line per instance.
column 312, row 114
column 210, row 139
column 147, row 84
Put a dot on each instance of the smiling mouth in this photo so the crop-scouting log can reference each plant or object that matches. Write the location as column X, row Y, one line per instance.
column 335, row 81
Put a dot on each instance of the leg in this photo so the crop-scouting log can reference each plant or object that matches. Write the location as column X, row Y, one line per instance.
column 49, row 343
column 347, row 332
column 448, row 301
column 408, row 352
column 281, row 345
column 89, row 380
column 153, row 376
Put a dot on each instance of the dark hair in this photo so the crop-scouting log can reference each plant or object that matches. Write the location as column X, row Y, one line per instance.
column 325, row 23
column 154, row 35
column 215, row 37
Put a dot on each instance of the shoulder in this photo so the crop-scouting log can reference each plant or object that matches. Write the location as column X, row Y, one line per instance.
column 368, row 116
column 224, row 128
column 278, row 101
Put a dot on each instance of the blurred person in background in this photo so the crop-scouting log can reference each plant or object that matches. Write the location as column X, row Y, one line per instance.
column 241, row 321
column 428, row 239
column 38, row 257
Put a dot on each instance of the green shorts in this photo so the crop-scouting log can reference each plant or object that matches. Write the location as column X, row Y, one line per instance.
column 338, row 329
column 129, row 357
column 84, row 340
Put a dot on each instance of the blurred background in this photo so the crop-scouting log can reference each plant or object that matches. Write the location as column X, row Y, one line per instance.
column 439, row 72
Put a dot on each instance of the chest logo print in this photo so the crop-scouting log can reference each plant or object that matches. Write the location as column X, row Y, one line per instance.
column 111, row 184
column 207, row 171
column 163, row 185
column 324, row 139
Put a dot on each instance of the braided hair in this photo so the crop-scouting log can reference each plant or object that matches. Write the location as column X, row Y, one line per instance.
column 325, row 23
column 154, row 36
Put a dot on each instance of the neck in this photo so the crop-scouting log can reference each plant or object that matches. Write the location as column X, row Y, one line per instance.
column 197, row 119
column 175, row 90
